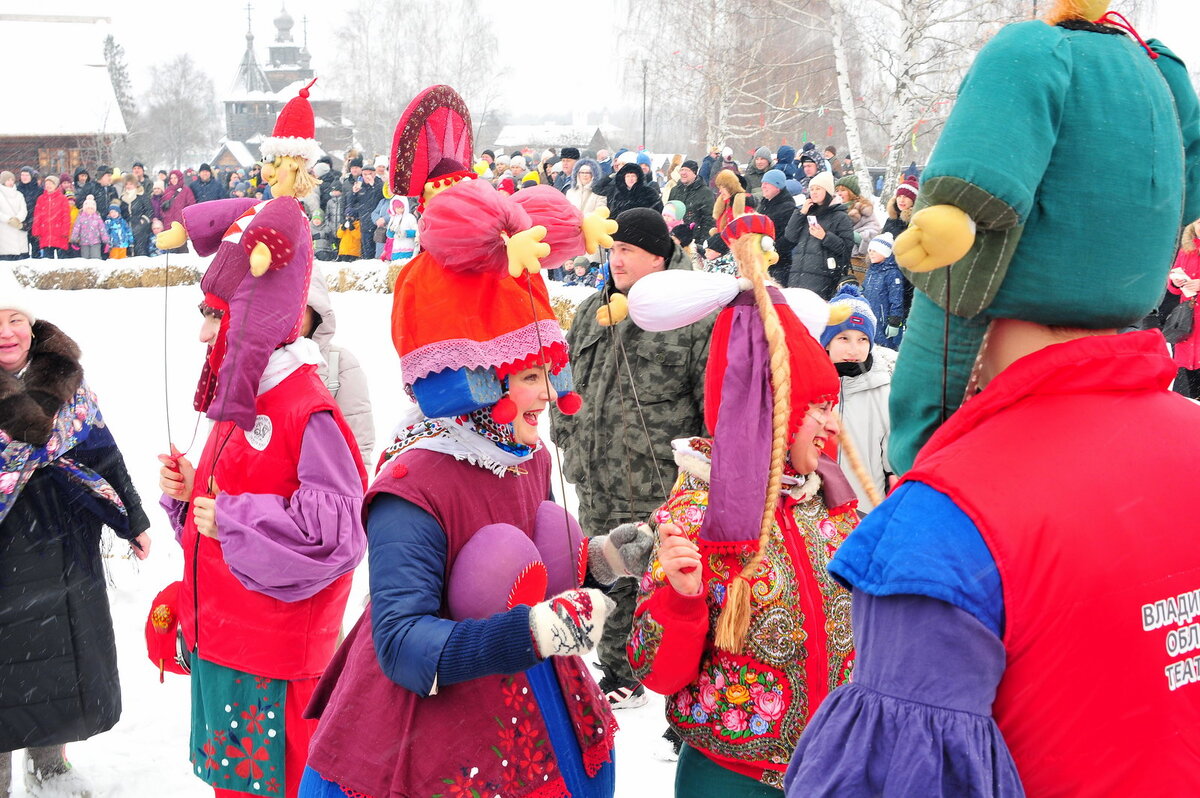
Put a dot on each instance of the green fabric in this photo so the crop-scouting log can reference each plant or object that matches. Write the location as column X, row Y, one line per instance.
column 237, row 740
column 915, row 405
column 697, row 776
column 1068, row 149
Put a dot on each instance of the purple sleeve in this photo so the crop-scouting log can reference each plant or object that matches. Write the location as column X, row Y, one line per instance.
column 292, row 548
column 917, row 718
column 207, row 222
column 176, row 514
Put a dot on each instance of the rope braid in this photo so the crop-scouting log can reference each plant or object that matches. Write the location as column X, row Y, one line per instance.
column 734, row 620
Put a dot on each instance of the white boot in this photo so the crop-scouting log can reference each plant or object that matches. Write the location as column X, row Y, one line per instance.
column 48, row 774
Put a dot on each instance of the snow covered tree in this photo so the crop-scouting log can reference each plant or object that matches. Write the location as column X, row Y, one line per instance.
column 118, row 72
column 180, row 119
column 394, row 48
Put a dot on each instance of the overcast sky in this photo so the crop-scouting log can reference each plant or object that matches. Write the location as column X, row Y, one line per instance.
column 213, row 32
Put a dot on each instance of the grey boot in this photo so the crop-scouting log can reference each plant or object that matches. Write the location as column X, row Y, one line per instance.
column 49, row 774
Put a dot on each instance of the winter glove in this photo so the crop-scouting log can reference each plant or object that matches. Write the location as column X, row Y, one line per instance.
column 569, row 624
column 625, row 551
column 894, row 324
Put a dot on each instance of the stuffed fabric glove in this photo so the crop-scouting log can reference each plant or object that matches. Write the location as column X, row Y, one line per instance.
column 174, row 238
column 613, row 313
column 525, row 251
column 625, row 551
column 598, row 230
column 937, row 236
column 569, row 624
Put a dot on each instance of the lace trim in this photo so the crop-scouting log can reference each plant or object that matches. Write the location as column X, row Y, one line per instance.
column 457, row 353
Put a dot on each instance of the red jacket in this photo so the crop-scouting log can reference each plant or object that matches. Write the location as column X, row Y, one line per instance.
column 234, row 626
column 1187, row 351
column 52, row 220
column 1060, row 463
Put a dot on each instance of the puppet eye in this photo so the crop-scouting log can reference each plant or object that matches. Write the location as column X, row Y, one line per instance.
column 768, row 244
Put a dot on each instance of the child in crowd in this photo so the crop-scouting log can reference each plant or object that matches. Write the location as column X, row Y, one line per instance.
column 883, row 289
column 717, row 257
column 89, row 231
column 582, row 272
column 156, row 227
column 349, row 240
column 684, row 236
column 120, row 237
column 322, row 237
column 865, row 373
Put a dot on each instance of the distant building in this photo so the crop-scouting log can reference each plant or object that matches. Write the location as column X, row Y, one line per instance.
column 259, row 94
column 73, row 127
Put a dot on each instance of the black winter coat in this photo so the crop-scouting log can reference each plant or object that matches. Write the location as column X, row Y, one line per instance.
column 207, row 191
column 780, row 210
column 30, row 191
column 642, row 195
column 810, row 258
column 698, row 199
column 139, row 213
column 58, row 659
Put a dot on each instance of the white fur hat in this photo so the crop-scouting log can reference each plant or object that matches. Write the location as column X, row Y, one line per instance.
column 13, row 295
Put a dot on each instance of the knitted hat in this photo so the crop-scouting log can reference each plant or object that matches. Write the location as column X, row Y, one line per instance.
column 570, row 152
column 646, row 229
column 794, row 187
column 206, row 168
column 628, row 156
column 824, row 180
column 13, row 295
column 908, row 188
column 89, row 202
column 295, row 131
column 861, row 317
column 850, row 181
column 52, row 179
column 689, row 164
column 775, row 178
column 643, row 159
column 684, row 233
column 763, row 152
column 727, row 153
column 321, row 169
column 881, row 244
column 676, row 207
column 717, row 245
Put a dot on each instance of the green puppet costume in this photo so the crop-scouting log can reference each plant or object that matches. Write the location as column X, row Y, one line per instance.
column 1077, row 156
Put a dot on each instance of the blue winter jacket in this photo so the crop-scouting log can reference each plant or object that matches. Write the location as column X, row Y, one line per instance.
column 883, row 288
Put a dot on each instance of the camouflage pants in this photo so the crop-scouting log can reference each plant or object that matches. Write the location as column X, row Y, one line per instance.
column 597, row 517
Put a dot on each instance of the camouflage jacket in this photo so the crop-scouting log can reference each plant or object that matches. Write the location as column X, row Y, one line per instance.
column 605, row 447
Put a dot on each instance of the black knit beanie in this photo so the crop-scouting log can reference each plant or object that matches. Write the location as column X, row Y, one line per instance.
column 644, row 228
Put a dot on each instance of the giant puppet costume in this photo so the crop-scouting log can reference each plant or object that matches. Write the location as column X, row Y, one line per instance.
column 448, row 685
column 747, row 660
column 261, row 602
column 1023, row 601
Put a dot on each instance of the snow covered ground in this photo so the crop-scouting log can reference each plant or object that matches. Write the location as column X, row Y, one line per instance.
column 121, row 333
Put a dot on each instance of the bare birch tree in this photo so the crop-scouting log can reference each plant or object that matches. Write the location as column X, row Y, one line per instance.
column 180, row 117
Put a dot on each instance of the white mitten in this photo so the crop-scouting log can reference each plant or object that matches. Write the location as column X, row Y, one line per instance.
column 625, row 551
column 570, row 623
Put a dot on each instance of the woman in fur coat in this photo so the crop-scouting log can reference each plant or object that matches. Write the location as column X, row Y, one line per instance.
column 63, row 480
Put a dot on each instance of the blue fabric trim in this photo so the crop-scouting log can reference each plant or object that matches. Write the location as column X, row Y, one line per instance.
column 314, row 785
column 919, row 542
column 544, row 683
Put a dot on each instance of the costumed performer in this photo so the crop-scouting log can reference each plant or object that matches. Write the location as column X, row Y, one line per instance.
column 270, row 517
column 476, row 621
column 1030, row 531
column 746, row 633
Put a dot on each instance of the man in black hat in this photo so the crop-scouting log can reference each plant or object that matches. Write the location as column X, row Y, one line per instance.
column 355, row 176
column 696, row 196
column 617, row 444
column 206, row 187
column 567, row 159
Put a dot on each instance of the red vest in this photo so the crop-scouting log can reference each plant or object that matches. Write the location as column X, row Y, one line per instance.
column 242, row 628
column 1077, row 464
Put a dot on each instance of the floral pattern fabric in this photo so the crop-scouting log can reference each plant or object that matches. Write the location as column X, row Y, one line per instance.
column 752, row 707
column 237, row 740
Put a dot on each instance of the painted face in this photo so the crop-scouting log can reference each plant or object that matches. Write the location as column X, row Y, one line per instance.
column 16, row 335
column 630, row 264
column 820, row 425
column 530, row 391
column 849, row 346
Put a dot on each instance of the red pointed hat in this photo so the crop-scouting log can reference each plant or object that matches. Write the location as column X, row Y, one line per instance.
column 295, row 131
column 433, row 140
column 748, row 223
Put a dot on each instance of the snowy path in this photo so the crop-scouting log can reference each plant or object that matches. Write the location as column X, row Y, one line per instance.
column 121, row 334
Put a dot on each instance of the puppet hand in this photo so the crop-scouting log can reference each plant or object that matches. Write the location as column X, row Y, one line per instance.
column 260, row 259
column 936, row 237
column 174, row 238
column 598, row 230
column 525, row 249
column 614, row 312
column 569, row 624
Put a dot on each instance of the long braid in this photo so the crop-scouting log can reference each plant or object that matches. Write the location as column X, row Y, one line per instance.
column 734, row 620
